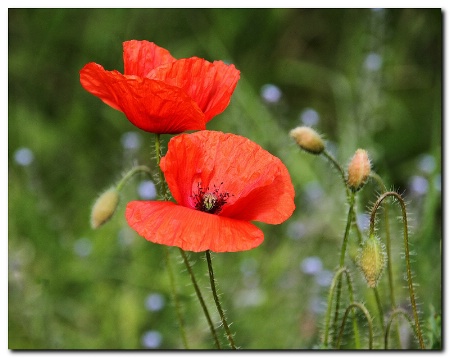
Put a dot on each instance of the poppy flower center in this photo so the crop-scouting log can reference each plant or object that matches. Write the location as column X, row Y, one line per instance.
column 210, row 201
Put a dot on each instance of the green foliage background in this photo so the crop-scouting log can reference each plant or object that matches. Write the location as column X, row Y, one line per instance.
column 71, row 287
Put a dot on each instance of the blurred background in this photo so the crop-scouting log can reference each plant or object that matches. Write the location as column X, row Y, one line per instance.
column 364, row 78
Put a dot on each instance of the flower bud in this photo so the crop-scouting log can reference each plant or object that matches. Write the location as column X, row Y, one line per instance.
column 371, row 260
column 104, row 207
column 308, row 139
column 358, row 170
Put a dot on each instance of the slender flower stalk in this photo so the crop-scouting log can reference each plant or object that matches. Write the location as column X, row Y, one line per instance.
column 335, row 163
column 394, row 314
column 337, row 279
column 131, row 173
column 387, row 239
column 200, row 298
column 368, row 318
column 217, row 301
column 407, row 259
column 351, row 216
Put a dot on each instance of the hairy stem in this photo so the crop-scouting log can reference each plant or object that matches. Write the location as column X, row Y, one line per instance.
column 216, row 300
column 368, row 318
column 407, row 259
column 200, row 298
column 338, row 276
column 129, row 174
column 394, row 314
column 388, row 240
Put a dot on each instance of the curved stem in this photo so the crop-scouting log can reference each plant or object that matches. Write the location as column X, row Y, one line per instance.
column 395, row 313
column 388, row 240
column 338, row 276
column 216, row 300
column 408, row 263
column 342, row 258
column 200, row 298
column 129, row 174
column 368, row 318
column 338, row 167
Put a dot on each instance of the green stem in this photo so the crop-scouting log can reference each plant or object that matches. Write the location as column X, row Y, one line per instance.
column 200, row 298
column 128, row 175
column 350, row 220
column 394, row 314
column 338, row 276
column 380, row 307
column 347, row 229
column 407, row 259
column 216, row 300
column 338, row 167
column 160, row 179
column 388, row 240
column 388, row 249
column 368, row 318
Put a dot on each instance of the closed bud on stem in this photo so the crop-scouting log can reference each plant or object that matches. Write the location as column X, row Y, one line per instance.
column 308, row 139
column 104, row 207
column 372, row 259
column 358, row 170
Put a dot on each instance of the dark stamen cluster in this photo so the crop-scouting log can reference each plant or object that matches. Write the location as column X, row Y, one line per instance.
column 210, row 201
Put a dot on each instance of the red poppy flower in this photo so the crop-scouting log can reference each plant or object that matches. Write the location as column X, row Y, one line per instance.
column 160, row 94
column 220, row 183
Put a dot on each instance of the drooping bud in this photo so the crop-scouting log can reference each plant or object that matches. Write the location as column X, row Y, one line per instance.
column 308, row 139
column 104, row 207
column 358, row 170
column 372, row 259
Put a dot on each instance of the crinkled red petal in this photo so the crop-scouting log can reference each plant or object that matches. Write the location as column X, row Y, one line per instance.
column 141, row 57
column 259, row 184
column 210, row 85
column 151, row 105
column 166, row 223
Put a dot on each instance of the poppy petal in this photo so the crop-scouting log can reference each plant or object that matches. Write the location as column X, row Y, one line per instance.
column 166, row 223
column 140, row 57
column 210, row 85
column 150, row 105
column 258, row 183
column 95, row 79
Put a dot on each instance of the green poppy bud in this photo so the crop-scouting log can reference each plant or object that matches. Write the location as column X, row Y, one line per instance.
column 104, row 207
column 372, row 259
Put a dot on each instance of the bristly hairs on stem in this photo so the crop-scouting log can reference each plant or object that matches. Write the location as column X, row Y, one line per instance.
column 402, row 204
column 200, row 298
column 229, row 335
column 337, row 280
column 368, row 318
column 394, row 314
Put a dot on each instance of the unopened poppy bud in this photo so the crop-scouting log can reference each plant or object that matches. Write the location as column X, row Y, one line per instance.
column 372, row 259
column 308, row 139
column 104, row 207
column 358, row 170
